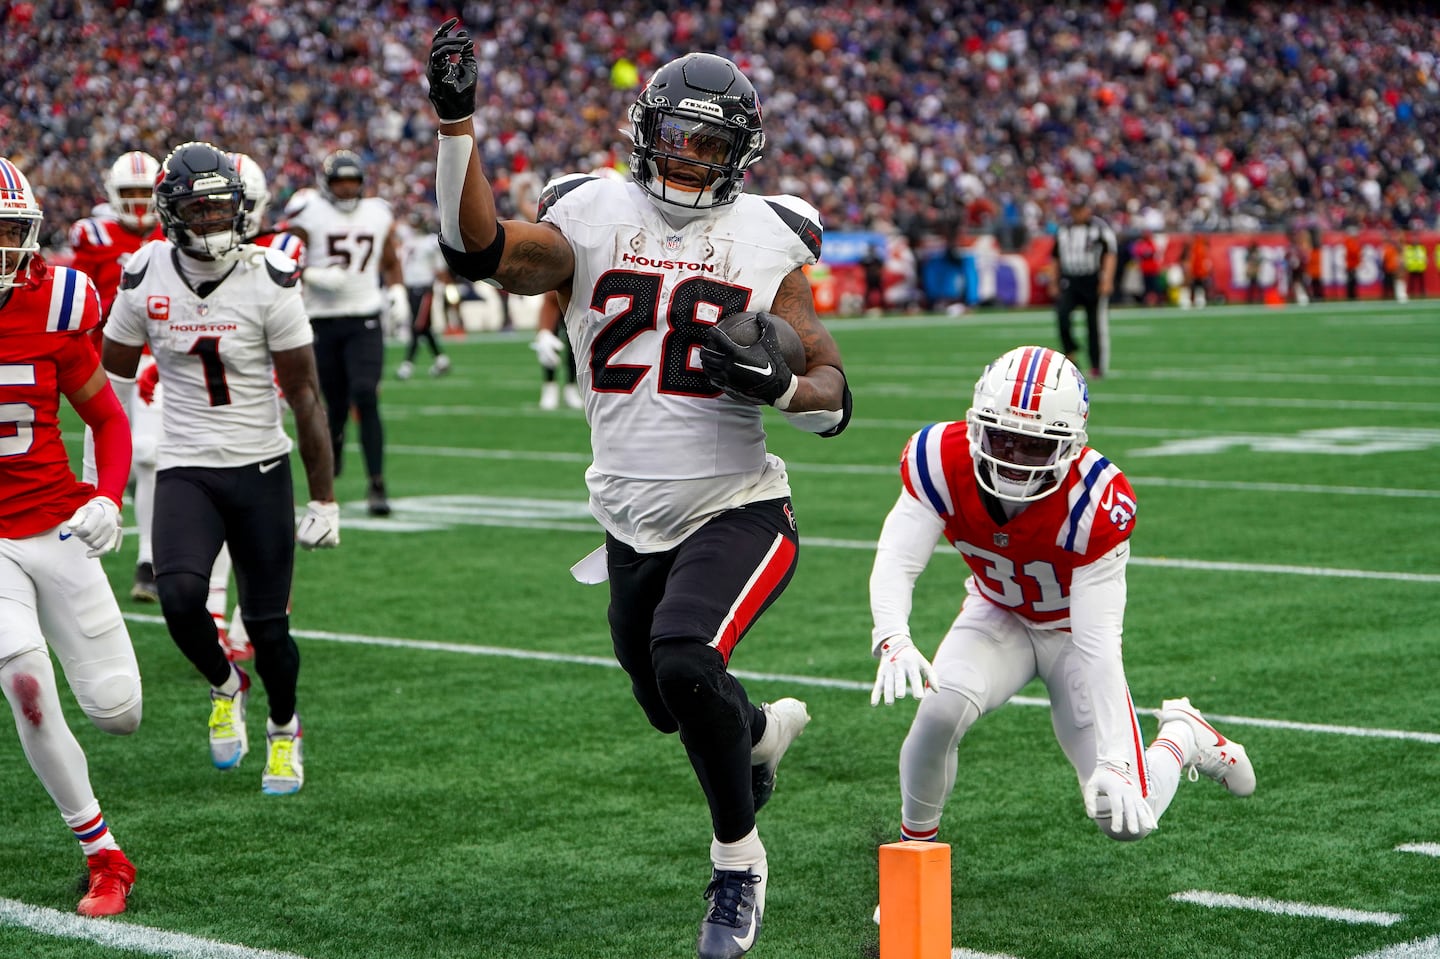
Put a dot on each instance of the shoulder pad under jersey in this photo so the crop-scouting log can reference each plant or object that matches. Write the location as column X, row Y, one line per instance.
column 800, row 221
column 283, row 271
column 136, row 266
column 557, row 188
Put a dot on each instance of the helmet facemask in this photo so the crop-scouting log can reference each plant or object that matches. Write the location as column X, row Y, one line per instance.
column 342, row 165
column 130, row 190
column 696, row 129
column 1027, row 423
column 199, row 198
column 20, row 218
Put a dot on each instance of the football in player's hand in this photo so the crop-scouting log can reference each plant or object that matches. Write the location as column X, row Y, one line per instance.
column 746, row 328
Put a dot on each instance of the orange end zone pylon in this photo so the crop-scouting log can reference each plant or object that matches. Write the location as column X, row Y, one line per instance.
column 915, row 900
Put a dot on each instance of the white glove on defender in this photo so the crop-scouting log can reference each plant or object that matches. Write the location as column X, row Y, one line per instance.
column 320, row 527
column 901, row 664
column 1130, row 814
column 97, row 523
column 547, row 348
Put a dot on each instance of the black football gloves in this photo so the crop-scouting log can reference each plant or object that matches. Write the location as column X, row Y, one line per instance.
column 452, row 84
column 756, row 373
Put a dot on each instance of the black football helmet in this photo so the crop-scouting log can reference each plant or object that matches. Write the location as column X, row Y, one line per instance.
column 341, row 165
column 701, row 110
column 200, row 200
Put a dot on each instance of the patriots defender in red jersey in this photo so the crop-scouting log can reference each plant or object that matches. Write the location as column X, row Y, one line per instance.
column 52, row 528
column 700, row 531
column 1043, row 522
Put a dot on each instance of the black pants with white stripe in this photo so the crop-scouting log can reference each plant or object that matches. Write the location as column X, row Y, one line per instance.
column 1083, row 292
column 676, row 616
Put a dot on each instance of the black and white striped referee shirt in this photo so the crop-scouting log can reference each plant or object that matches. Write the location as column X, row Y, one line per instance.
column 1081, row 247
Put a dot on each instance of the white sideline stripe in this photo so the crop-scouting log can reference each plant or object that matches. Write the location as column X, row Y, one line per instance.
column 875, row 469
column 1416, row 949
column 1166, row 562
column 1279, row 907
column 817, row 682
column 123, row 935
column 972, row 954
column 1423, row 848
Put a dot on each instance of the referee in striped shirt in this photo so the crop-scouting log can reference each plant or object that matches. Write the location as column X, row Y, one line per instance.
column 1084, row 276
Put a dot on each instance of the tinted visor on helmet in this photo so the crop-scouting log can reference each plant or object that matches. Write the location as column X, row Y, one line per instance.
column 695, row 139
column 208, row 212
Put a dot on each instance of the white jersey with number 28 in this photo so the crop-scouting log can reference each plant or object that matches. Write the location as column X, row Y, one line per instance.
column 670, row 451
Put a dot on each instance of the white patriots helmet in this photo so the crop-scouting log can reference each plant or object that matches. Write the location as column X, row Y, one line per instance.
column 257, row 195
column 20, row 218
column 1026, row 424
column 135, row 170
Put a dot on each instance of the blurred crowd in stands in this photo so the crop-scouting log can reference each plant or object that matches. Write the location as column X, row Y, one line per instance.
column 930, row 118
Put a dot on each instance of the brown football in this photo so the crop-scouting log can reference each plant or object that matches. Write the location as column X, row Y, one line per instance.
column 744, row 329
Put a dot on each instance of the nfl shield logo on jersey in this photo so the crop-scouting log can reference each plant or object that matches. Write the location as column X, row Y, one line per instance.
column 1002, row 539
column 673, row 243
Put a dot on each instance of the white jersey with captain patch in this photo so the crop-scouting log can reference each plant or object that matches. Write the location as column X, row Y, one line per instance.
column 353, row 240
column 670, row 451
column 221, row 405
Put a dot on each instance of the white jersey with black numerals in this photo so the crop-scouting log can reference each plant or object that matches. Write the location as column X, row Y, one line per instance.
column 353, row 240
column 221, row 406
column 670, row 451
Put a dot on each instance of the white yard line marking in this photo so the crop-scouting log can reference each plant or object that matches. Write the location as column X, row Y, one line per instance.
column 876, row 469
column 1422, row 848
column 1179, row 563
column 123, row 935
column 1279, row 907
column 818, row 682
column 1416, row 949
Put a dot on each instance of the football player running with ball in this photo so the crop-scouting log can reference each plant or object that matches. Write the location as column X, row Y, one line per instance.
column 1044, row 524
column 700, row 534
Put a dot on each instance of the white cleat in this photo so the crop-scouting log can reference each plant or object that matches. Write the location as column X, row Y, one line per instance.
column 550, row 396
column 785, row 719
column 228, row 739
column 284, row 761
column 405, row 370
column 1221, row 759
column 571, row 393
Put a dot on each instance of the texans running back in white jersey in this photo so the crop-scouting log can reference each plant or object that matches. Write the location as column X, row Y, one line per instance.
column 1044, row 524
column 52, row 528
column 700, row 531
column 224, row 321
column 350, row 249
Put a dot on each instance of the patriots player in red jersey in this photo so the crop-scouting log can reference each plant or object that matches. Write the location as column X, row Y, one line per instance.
column 52, row 527
column 1043, row 522
column 700, row 531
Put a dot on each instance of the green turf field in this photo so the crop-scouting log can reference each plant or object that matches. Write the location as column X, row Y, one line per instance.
column 480, row 783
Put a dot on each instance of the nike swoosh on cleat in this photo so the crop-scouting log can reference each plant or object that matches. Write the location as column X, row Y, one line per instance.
column 762, row 370
column 747, row 940
column 65, row 536
column 267, row 467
